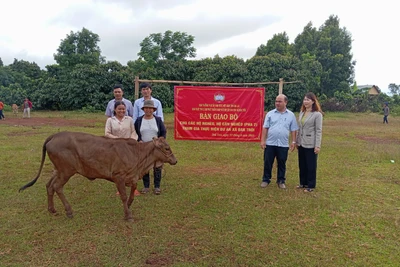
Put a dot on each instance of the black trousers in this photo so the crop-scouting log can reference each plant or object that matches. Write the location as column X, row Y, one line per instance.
column 157, row 178
column 307, row 166
column 281, row 154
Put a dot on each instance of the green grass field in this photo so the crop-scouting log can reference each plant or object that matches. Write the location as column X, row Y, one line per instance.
column 212, row 211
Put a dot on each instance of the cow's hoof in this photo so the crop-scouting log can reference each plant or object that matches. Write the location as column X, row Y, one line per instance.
column 130, row 219
column 52, row 210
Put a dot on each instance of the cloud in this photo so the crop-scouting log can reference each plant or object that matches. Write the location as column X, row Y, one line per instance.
column 219, row 26
column 123, row 27
column 146, row 4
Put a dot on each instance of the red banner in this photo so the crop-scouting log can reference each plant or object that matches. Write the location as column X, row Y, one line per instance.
column 218, row 113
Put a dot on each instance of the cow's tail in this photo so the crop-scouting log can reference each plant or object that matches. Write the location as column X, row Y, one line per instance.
column 41, row 166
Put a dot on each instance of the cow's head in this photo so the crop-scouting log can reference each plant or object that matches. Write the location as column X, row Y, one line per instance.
column 168, row 157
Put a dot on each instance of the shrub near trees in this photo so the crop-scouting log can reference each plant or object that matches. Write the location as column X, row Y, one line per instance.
column 320, row 59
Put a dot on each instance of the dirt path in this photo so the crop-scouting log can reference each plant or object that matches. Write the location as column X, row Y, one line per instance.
column 46, row 121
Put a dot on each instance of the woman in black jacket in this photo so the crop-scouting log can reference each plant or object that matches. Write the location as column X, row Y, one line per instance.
column 147, row 127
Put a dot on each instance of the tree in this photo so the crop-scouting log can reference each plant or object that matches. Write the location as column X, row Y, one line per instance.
column 6, row 76
column 1, row 63
column 331, row 46
column 79, row 48
column 31, row 70
column 394, row 89
column 334, row 54
column 14, row 93
column 272, row 67
column 278, row 44
column 310, row 72
column 306, row 42
column 173, row 46
column 217, row 69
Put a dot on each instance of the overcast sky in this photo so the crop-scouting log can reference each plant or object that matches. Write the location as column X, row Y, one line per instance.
column 32, row 30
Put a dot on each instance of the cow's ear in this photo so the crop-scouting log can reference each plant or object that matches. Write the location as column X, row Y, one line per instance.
column 156, row 141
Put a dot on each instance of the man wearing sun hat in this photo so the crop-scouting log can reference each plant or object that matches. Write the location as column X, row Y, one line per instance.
column 146, row 91
column 148, row 126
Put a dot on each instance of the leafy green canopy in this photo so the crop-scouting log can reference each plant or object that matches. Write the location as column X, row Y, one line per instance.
column 319, row 59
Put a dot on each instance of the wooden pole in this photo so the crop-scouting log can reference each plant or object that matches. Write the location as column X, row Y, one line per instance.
column 215, row 83
column 280, row 85
column 136, row 87
column 137, row 81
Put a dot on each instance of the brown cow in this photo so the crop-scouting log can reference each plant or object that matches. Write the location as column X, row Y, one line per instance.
column 15, row 109
column 121, row 161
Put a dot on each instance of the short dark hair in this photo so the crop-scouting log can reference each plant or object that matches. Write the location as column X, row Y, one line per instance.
column 118, row 86
column 144, row 85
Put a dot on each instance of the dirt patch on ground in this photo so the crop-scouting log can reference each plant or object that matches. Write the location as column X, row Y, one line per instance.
column 36, row 122
column 377, row 140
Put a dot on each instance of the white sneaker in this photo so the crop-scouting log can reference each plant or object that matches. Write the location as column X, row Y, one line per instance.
column 264, row 184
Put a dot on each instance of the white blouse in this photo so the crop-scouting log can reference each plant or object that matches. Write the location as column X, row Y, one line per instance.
column 148, row 129
column 120, row 129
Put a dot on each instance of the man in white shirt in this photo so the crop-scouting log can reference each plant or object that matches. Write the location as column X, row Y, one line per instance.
column 146, row 90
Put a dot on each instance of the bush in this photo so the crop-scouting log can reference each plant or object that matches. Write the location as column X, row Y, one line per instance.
column 89, row 109
column 7, row 108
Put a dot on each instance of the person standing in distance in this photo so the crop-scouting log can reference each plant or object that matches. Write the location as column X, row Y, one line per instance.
column 386, row 113
column 118, row 96
column 145, row 89
column 1, row 111
column 27, row 105
column 278, row 123
column 309, row 141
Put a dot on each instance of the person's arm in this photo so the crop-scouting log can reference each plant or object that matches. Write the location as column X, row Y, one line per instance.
column 298, row 130
column 318, row 133
column 293, row 144
column 137, row 129
column 133, row 131
column 293, row 130
column 108, row 129
column 130, row 109
column 135, row 111
column 264, row 134
column 108, row 110
column 162, row 129
column 159, row 111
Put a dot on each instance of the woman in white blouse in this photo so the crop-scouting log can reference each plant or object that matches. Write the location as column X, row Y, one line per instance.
column 120, row 126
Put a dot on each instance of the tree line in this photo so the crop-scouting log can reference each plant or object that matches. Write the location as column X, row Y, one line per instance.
column 320, row 58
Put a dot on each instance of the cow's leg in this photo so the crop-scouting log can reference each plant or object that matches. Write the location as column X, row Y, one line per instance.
column 56, row 184
column 50, row 193
column 132, row 195
column 124, row 198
